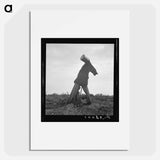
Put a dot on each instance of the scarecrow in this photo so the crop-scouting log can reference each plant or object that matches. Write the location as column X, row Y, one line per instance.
column 82, row 82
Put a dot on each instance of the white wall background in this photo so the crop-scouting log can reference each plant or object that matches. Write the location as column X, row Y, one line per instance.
column 15, row 141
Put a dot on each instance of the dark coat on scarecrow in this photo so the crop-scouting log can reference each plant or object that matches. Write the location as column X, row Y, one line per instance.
column 83, row 75
column 82, row 79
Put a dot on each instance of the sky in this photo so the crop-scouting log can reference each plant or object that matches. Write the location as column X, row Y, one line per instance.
column 63, row 64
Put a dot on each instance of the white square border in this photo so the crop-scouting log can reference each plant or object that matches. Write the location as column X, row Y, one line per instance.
column 124, row 74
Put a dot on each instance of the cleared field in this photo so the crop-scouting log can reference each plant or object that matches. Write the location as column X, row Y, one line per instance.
column 57, row 105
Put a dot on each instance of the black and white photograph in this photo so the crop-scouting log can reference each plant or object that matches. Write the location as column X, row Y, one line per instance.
column 79, row 79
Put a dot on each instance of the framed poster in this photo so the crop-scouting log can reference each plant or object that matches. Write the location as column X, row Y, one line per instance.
column 79, row 80
column 59, row 60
